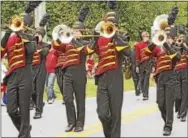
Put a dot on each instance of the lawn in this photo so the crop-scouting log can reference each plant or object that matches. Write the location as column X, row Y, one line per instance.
column 91, row 88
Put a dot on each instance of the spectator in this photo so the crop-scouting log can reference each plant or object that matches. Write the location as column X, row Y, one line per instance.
column 3, row 87
column 90, row 66
column 51, row 62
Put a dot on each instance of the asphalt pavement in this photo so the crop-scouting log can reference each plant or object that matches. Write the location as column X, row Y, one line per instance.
column 139, row 119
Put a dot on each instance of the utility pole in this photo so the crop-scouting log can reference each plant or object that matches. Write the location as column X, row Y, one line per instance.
column 39, row 12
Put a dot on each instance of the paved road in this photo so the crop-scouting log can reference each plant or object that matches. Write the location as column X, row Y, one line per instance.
column 139, row 119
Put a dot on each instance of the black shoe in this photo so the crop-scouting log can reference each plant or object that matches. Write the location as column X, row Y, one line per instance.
column 37, row 116
column 166, row 132
column 178, row 116
column 69, row 128
column 145, row 98
column 183, row 119
column 78, row 129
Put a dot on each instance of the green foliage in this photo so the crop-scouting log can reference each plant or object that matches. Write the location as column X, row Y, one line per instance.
column 134, row 15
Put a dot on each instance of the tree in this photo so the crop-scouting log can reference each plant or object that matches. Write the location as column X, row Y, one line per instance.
column 134, row 15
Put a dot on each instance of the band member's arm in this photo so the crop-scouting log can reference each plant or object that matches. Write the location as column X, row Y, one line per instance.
column 44, row 51
column 138, row 57
column 30, row 43
column 173, row 53
column 185, row 47
column 4, row 43
column 91, row 47
column 122, row 45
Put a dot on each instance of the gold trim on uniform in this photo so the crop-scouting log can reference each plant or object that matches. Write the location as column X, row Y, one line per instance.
column 89, row 50
column 74, row 50
column 148, row 50
column 70, row 60
column 18, row 62
column 172, row 55
column 111, row 63
column 163, row 67
column 18, row 50
column 108, row 57
column 119, row 48
column 80, row 48
column 72, row 55
column 18, row 56
column 164, row 61
column 181, row 64
column 56, row 43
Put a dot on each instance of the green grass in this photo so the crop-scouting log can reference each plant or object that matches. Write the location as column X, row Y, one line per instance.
column 91, row 88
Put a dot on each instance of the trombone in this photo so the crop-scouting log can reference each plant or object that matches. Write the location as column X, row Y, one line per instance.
column 65, row 34
column 16, row 24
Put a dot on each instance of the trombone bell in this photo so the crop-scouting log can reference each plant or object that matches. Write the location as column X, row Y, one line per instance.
column 106, row 29
column 16, row 23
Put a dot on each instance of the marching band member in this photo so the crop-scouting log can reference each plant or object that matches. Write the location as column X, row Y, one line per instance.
column 182, row 78
column 135, row 75
column 59, row 72
column 74, row 78
column 165, row 77
column 109, row 78
column 39, row 68
column 143, row 65
column 19, row 47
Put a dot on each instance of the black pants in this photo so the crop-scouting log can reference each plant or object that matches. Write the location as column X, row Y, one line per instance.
column 74, row 82
column 144, row 75
column 166, row 82
column 39, row 78
column 182, row 92
column 59, row 74
column 19, row 88
column 109, row 101
column 135, row 77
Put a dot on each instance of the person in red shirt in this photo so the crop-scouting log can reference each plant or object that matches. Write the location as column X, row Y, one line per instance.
column 143, row 65
column 51, row 61
column 90, row 65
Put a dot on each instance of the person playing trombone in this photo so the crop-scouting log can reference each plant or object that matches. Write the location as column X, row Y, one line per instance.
column 19, row 48
column 111, row 49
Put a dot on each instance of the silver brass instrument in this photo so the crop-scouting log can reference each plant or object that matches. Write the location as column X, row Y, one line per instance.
column 159, row 35
column 63, row 33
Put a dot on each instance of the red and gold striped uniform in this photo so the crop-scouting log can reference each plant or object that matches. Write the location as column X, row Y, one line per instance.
column 36, row 58
column 16, row 53
column 182, row 63
column 108, row 58
column 141, row 55
column 60, row 59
